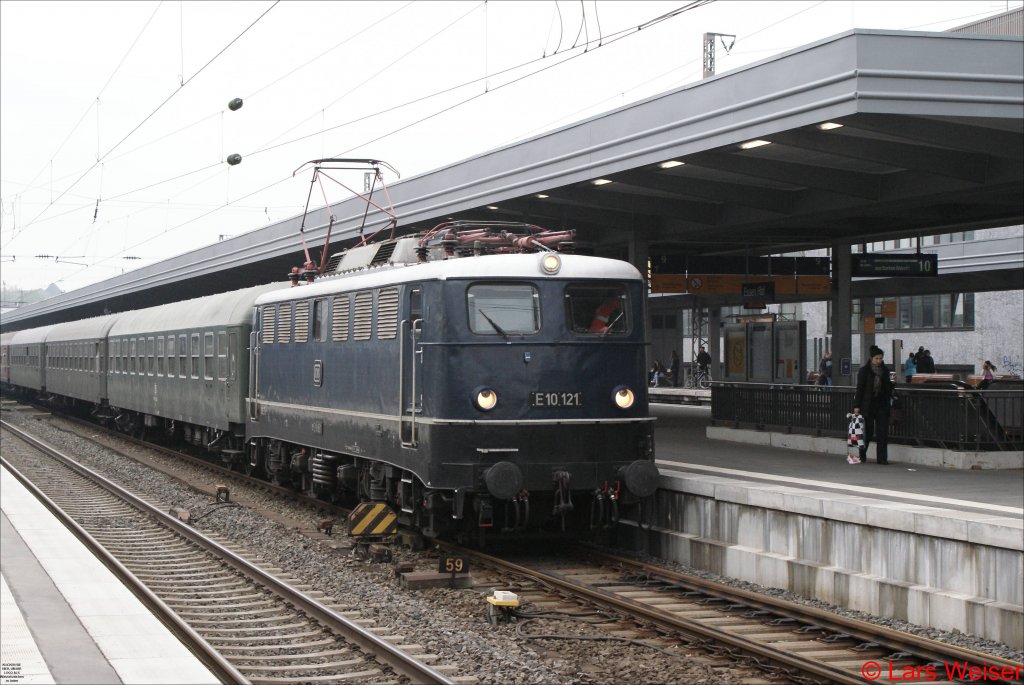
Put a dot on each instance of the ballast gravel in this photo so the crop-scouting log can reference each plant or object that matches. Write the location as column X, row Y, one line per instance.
column 448, row 623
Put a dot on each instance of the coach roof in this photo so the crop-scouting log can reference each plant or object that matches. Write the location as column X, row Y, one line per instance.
column 86, row 329
column 226, row 309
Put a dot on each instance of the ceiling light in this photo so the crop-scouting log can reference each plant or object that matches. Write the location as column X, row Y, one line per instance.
column 491, row 207
column 600, row 181
column 751, row 144
column 671, row 163
column 542, row 196
column 829, row 125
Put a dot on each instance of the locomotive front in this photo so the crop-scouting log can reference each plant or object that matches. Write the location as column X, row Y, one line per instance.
column 532, row 400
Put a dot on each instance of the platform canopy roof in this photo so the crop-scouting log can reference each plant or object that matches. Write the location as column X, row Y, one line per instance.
column 930, row 139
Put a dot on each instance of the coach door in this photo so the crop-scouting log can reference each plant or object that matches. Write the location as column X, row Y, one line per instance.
column 411, row 395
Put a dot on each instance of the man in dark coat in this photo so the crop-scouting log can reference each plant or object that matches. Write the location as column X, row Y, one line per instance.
column 872, row 400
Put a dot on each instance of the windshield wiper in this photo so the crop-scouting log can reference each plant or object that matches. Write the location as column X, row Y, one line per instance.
column 611, row 323
column 496, row 327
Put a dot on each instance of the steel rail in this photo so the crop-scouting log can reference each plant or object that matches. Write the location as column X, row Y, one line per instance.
column 193, row 641
column 669, row 622
column 403, row 664
column 924, row 648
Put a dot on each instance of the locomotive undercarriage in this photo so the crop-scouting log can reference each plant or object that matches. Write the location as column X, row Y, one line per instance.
column 468, row 514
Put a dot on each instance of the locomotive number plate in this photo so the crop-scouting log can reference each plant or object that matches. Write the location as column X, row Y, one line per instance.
column 556, row 399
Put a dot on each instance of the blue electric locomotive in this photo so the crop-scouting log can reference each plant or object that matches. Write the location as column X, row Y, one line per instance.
column 501, row 389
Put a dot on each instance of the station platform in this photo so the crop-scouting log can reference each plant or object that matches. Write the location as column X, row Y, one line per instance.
column 65, row 617
column 934, row 546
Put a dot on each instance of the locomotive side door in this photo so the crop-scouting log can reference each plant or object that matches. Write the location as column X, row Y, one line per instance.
column 410, row 351
column 254, row 375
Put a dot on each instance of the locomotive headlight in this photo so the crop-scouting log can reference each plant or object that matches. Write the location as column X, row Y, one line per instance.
column 623, row 397
column 550, row 263
column 484, row 399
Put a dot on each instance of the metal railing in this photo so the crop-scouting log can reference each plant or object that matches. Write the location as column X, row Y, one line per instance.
column 952, row 416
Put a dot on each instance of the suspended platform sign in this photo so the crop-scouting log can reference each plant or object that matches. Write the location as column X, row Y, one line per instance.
column 866, row 265
column 761, row 278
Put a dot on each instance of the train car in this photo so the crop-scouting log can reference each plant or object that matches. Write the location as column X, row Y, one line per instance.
column 183, row 368
column 471, row 393
column 5, row 359
column 77, row 361
column 28, row 357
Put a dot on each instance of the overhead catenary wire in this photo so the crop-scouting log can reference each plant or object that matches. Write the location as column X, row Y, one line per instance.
column 614, row 37
column 633, row 30
column 157, row 109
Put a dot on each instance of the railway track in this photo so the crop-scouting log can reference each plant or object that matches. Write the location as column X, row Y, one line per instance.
column 249, row 625
column 743, row 632
column 675, row 612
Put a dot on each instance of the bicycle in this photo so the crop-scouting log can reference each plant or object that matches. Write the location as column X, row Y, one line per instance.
column 700, row 379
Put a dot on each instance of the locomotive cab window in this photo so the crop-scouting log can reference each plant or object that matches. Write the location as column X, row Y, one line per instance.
column 597, row 309
column 503, row 309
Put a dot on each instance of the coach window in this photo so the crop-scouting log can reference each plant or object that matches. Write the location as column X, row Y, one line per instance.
column 170, row 356
column 134, row 357
column 232, row 356
column 503, row 309
column 182, row 356
column 195, row 355
column 222, row 355
column 150, row 366
column 208, row 356
column 319, row 320
column 124, row 355
column 160, row 356
column 115, row 356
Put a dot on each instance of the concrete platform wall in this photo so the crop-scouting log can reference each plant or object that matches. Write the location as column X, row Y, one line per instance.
column 929, row 566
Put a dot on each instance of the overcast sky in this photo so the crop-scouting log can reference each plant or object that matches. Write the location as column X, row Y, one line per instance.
column 125, row 103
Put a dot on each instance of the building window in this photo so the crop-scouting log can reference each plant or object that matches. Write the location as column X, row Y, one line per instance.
column 948, row 311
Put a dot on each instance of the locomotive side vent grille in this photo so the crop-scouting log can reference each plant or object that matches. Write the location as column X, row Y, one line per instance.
column 301, row 321
column 284, row 323
column 387, row 314
column 363, row 317
column 267, row 325
column 339, row 319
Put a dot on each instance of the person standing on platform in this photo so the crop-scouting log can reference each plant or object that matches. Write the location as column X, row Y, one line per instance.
column 872, row 400
column 825, row 369
column 674, row 369
column 909, row 368
column 925, row 363
column 987, row 374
